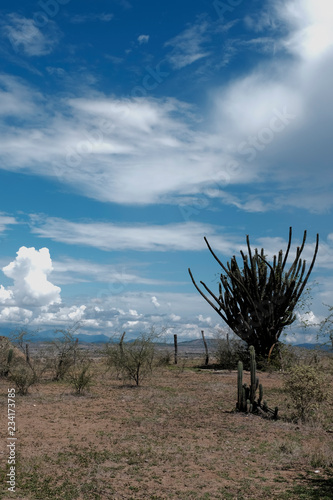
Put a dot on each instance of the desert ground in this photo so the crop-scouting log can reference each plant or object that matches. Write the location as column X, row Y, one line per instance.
column 176, row 436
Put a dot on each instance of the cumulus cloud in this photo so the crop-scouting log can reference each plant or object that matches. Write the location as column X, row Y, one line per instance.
column 15, row 315
column 35, row 301
column 31, row 288
column 5, row 295
column 61, row 316
column 207, row 320
column 177, row 309
column 308, row 318
column 155, row 302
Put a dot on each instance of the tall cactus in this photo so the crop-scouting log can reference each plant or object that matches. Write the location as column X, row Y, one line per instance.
column 10, row 356
column 257, row 302
column 253, row 368
column 240, row 386
column 246, row 396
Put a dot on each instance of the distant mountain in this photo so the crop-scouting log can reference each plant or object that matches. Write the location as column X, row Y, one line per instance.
column 4, row 332
column 49, row 335
column 198, row 343
column 321, row 347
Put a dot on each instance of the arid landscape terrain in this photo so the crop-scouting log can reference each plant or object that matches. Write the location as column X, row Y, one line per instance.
column 176, row 436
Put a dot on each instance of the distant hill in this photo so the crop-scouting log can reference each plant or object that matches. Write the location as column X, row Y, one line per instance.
column 49, row 335
column 315, row 346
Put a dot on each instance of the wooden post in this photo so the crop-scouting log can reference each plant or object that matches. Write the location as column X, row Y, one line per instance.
column 75, row 349
column 206, row 348
column 121, row 344
column 176, row 347
column 27, row 356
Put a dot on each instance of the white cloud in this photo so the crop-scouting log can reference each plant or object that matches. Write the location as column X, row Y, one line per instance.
column 155, row 302
column 17, row 100
column 131, row 140
column 311, row 26
column 5, row 295
column 6, row 221
column 141, row 237
column 292, row 87
column 80, row 271
column 187, row 46
column 207, row 320
column 25, row 36
column 130, row 325
column 31, row 288
column 308, row 318
column 61, row 316
column 324, row 258
column 142, row 39
column 15, row 314
column 134, row 313
column 283, row 136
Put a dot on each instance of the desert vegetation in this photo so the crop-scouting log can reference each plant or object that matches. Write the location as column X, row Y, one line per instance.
column 142, row 419
column 126, row 422
column 258, row 301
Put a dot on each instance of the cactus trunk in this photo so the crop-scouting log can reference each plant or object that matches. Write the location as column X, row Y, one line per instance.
column 246, row 395
column 240, row 386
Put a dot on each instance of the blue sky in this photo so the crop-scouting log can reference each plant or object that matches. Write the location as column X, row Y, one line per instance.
column 130, row 130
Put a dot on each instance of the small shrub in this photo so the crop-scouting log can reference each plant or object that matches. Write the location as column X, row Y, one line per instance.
column 132, row 360
column 282, row 358
column 62, row 353
column 23, row 377
column 8, row 359
column 307, row 389
column 229, row 352
column 80, row 376
column 163, row 358
column 321, row 456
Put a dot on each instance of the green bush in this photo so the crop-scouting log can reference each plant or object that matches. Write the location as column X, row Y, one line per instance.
column 229, row 352
column 307, row 389
column 163, row 358
column 132, row 360
column 80, row 375
column 62, row 353
column 23, row 377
